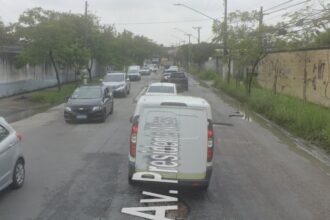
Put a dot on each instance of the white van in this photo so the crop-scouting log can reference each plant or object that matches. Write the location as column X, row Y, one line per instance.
column 134, row 73
column 172, row 136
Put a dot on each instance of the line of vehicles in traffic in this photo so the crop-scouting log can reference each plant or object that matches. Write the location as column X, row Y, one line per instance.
column 171, row 134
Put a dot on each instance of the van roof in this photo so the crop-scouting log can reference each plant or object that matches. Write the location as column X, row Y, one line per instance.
column 186, row 101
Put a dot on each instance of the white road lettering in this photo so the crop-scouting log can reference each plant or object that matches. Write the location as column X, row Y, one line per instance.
column 159, row 198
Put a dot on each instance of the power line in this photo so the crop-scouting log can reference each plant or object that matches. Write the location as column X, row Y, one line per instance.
column 160, row 22
column 290, row 6
column 276, row 6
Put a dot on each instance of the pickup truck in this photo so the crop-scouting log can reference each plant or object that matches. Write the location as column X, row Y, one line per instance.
column 180, row 80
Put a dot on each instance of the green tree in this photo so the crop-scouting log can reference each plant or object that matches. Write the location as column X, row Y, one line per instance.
column 51, row 36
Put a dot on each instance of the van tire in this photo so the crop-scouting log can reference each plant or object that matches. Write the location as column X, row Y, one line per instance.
column 204, row 188
column 130, row 175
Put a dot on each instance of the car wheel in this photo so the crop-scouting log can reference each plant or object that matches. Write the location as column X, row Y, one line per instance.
column 19, row 174
column 111, row 110
column 104, row 117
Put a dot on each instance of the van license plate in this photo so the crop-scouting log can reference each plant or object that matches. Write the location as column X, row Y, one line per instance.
column 81, row 116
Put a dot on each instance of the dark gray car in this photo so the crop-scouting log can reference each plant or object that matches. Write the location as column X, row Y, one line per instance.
column 89, row 103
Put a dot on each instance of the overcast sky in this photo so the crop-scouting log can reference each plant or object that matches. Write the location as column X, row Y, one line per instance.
column 136, row 15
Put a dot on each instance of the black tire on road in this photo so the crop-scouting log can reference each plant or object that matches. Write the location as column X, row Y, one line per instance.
column 111, row 110
column 18, row 174
column 104, row 118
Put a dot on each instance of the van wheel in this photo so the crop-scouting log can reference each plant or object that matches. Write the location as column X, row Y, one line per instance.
column 204, row 188
column 130, row 175
column 19, row 174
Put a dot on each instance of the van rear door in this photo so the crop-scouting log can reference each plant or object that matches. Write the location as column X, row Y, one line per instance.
column 193, row 144
column 172, row 141
column 158, row 141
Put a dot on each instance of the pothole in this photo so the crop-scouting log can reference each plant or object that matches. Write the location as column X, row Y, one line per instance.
column 180, row 214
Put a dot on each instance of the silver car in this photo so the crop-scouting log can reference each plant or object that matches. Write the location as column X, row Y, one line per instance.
column 118, row 82
column 12, row 163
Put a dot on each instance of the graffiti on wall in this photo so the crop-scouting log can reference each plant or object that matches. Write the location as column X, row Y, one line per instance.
column 304, row 74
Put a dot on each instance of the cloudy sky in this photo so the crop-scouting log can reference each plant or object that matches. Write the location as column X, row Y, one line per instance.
column 158, row 20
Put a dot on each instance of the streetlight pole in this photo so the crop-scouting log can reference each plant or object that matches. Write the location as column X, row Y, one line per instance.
column 199, row 33
column 189, row 35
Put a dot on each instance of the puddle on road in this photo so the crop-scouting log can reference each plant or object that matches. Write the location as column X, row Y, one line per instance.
column 312, row 153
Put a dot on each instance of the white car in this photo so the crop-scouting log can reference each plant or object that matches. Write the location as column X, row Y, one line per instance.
column 161, row 89
column 134, row 73
column 118, row 82
column 172, row 140
column 12, row 163
column 174, row 68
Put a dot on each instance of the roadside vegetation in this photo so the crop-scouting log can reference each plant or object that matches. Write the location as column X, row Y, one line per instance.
column 74, row 41
column 52, row 96
column 306, row 120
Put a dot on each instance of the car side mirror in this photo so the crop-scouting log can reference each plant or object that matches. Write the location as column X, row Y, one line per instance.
column 67, row 98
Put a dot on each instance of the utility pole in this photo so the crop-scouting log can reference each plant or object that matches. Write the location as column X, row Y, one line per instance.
column 225, row 36
column 261, row 16
column 199, row 33
column 86, row 8
column 189, row 36
column 225, row 44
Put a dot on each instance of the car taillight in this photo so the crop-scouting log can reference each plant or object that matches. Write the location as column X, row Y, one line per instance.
column 132, row 149
column 19, row 136
column 210, row 141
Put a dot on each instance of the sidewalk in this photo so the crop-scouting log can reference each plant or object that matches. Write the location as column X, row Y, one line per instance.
column 17, row 107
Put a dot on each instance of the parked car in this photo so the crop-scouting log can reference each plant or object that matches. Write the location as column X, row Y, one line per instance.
column 12, row 162
column 180, row 79
column 172, row 136
column 161, row 89
column 145, row 71
column 118, row 82
column 89, row 103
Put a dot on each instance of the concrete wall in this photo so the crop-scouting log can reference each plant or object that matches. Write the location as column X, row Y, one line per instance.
column 29, row 78
column 303, row 74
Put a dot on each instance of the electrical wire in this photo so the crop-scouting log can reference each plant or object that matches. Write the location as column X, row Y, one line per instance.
column 276, row 6
column 281, row 9
column 160, row 22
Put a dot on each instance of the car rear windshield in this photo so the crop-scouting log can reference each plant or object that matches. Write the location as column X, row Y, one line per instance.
column 178, row 75
column 86, row 93
column 161, row 89
column 114, row 78
column 133, row 71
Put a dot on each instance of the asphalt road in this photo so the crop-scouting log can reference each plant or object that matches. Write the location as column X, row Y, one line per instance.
column 79, row 171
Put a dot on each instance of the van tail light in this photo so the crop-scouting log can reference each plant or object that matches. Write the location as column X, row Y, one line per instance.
column 133, row 141
column 210, row 141
column 19, row 136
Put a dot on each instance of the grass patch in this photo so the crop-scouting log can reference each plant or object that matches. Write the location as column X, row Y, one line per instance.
column 52, row 96
column 306, row 120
